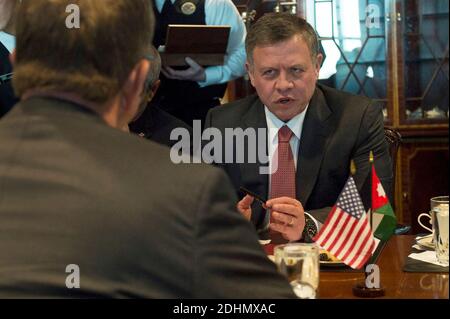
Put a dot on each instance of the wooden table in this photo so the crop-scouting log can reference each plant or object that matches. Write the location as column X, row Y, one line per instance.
column 397, row 284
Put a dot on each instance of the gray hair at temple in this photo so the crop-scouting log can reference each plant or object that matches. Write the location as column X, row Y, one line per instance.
column 155, row 65
column 151, row 84
column 92, row 61
column 273, row 28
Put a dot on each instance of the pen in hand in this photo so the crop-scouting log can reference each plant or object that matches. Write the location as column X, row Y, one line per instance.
column 255, row 196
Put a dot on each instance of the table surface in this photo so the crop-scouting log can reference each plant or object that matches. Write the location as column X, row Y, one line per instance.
column 396, row 282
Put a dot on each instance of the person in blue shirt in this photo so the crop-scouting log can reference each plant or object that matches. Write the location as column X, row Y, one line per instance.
column 189, row 93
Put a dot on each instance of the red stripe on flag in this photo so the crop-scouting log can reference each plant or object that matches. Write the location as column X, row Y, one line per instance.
column 362, row 247
column 341, row 230
column 324, row 240
column 331, row 228
column 351, row 241
column 347, row 237
column 360, row 231
column 368, row 254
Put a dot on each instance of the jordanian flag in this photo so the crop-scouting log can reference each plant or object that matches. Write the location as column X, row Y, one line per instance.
column 383, row 217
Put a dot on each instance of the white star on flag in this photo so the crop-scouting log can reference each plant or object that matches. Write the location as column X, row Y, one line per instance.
column 380, row 190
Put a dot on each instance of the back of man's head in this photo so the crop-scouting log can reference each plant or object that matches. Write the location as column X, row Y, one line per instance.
column 92, row 59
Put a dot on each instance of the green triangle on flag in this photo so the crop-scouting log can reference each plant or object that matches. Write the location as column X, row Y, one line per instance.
column 384, row 220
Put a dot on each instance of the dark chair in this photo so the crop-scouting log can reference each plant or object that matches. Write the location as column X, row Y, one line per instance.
column 394, row 139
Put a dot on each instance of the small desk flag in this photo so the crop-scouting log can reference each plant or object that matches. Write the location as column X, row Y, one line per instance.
column 346, row 233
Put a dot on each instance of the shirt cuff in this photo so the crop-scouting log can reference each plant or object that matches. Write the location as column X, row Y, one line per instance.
column 213, row 76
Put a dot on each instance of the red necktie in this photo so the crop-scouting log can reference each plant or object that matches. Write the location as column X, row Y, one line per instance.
column 283, row 179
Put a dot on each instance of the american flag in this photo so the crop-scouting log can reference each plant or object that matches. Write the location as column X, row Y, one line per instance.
column 346, row 233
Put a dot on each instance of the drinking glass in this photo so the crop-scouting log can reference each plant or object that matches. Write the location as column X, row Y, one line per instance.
column 299, row 262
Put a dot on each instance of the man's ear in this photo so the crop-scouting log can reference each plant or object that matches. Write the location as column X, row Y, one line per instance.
column 319, row 60
column 249, row 69
column 133, row 88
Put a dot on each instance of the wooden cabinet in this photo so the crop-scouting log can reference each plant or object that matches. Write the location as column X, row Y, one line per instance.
column 419, row 108
column 396, row 52
column 423, row 171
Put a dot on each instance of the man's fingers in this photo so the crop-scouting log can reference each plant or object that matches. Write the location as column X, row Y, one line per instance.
column 244, row 206
column 246, row 201
column 287, row 209
column 284, row 219
column 283, row 200
column 290, row 232
column 283, row 229
column 290, row 225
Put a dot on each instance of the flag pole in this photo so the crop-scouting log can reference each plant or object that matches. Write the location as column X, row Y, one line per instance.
column 360, row 289
column 353, row 172
column 370, row 193
column 370, row 201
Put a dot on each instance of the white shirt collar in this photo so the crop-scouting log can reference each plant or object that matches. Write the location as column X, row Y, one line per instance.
column 160, row 4
column 295, row 124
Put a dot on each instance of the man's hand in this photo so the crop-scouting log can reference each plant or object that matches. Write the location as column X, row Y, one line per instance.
column 245, row 206
column 195, row 72
column 287, row 217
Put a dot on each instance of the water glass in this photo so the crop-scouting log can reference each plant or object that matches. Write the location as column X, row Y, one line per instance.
column 299, row 262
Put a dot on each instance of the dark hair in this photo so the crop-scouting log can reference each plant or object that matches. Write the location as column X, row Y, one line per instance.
column 93, row 60
column 273, row 28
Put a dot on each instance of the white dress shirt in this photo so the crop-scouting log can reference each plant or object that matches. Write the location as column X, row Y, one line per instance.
column 224, row 12
column 273, row 125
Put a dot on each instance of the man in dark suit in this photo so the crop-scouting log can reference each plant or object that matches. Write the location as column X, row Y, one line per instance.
column 82, row 215
column 152, row 122
column 325, row 130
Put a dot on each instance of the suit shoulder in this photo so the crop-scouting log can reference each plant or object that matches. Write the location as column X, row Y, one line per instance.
column 236, row 108
column 341, row 99
column 159, row 157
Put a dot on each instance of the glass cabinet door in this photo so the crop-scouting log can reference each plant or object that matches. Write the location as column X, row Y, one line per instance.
column 424, row 47
column 353, row 37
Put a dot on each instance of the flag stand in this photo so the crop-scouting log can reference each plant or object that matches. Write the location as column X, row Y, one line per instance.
column 360, row 289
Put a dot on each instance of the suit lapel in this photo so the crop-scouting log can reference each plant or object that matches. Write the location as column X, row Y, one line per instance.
column 250, row 172
column 312, row 145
